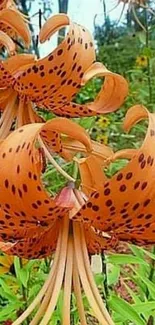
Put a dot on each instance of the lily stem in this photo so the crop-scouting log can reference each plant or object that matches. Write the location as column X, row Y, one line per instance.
column 148, row 59
column 105, row 281
column 24, row 292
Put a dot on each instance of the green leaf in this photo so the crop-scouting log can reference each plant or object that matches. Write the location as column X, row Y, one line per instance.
column 142, row 37
column 24, row 276
column 9, row 311
column 124, row 259
column 17, row 267
column 125, row 309
column 99, row 278
column 113, row 275
column 144, row 306
column 6, row 288
column 87, row 122
column 147, row 282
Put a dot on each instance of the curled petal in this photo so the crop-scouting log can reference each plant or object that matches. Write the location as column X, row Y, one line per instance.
column 14, row 63
column 66, row 127
column 122, row 154
column 134, row 115
column 6, row 41
column 88, row 168
column 52, row 25
column 10, row 65
column 13, row 19
column 100, row 151
column 113, row 92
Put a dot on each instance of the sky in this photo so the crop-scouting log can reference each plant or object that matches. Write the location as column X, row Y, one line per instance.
column 80, row 11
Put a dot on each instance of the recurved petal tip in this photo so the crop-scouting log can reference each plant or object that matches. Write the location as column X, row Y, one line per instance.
column 52, row 25
column 14, row 20
column 134, row 115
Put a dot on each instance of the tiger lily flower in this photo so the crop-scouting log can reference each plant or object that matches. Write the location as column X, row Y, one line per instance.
column 132, row 4
column 124, row 206
column 35, row 225
column 53, row 82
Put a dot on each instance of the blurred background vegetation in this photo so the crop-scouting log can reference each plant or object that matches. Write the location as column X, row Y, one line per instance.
column 127, row 278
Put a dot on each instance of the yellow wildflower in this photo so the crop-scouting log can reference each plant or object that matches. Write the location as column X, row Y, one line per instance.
column 103, row 122
column 141, row 61
column 102, row 138
column 7, row 264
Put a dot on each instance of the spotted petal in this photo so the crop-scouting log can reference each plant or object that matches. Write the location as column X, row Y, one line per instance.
column 124, row 206
column 39, row 245
column 24, row 201
column 56, row 79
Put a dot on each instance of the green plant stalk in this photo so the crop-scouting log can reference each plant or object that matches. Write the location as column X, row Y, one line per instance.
column 152, row 269
column 148, row 59
column 24, row 293
column 105, row 281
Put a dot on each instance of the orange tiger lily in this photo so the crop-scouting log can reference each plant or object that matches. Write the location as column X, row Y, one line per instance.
column 53, row 81
column 131, row 7
column 33, row 225
column 124, row 206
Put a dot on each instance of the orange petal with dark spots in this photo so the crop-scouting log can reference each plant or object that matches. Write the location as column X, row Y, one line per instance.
column 124, row 206
column 56, row 78
column 37, row 246
column 15, row 62
column 24, row 202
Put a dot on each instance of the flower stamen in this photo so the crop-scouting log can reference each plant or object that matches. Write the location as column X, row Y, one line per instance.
column 54, row 163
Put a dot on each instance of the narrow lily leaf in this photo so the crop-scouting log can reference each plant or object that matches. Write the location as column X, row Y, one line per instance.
column 141, row 251
column 124, row 259
column 144, row 306
column 136, row 250
column 151, row 255
column 24, row 276
column 147, row 282
column 113, row 275
column 125, row 309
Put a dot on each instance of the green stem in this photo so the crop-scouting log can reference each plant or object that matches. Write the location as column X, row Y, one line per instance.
column 24, row 293
column 148, row 59
column 152, row 269
column 105, row 281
